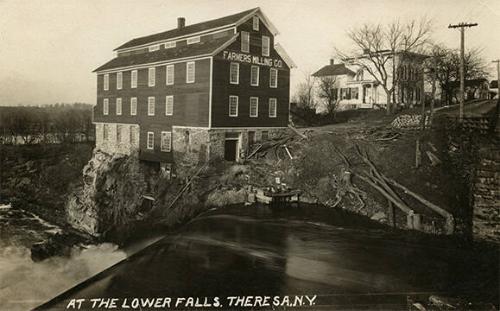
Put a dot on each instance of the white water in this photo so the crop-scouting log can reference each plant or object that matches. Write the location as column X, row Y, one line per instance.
column 25, row 284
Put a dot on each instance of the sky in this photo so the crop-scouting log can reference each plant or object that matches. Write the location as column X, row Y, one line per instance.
column 48, row 48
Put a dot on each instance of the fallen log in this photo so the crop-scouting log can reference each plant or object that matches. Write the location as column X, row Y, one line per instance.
column 433, row 158
column 388, row 138
column 378, row 176
column 432, row 146
column 382, row 191
column 450, row 222
column 288, row 152
column 254, row 151
column 297, row 132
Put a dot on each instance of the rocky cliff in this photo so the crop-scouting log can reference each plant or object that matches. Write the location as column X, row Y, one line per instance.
column 122, row 197
column 111, row 195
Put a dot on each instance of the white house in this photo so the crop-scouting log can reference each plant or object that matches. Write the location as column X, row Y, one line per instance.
column 356, row 87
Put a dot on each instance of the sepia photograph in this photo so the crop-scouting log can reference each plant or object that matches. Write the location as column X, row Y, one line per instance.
column 249, row 155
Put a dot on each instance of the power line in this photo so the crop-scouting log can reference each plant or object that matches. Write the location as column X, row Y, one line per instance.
column 462, row 27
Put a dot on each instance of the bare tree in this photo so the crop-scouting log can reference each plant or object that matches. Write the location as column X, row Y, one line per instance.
column 328, row 93
column 380, row 43
column 447, row 67
column 304, row 96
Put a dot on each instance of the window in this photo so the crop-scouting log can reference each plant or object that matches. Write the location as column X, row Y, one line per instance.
column 265, row 45
column 151, row 106
column 254, row 76
column 166, row 141
column 170, row 44
column 119, row 80
column 193, row 40
column 169, row 105
column 105, row 107
column 190, row 72
column 155, row 47
column 343, row 93
column 245, row 41
column 272, row 107
column 118, row 133
column 234, row 73
column 133, row 79
column 132, row 135
column 118, row 106
column 273, row 77
column 360, row 75
column 255, row 23
column 151, row 140
column 106, row 82
column 254, row 107
column 133, row 106
column 151, row 76
column 105, row 134
column 170, row 75
column 354, row 93
column 265, row 135
column 233, row 106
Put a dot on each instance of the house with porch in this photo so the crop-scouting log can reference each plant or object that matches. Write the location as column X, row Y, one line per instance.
column 355, row 87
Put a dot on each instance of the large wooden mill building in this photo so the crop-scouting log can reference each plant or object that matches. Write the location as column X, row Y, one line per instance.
column 196, row 92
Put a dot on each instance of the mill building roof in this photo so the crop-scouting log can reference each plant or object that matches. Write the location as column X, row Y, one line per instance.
column 226, row 21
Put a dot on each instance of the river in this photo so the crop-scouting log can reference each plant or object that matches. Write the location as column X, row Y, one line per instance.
column 342, row 259
column 25, row 284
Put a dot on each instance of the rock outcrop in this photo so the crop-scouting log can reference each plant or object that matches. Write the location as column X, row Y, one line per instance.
column 112, row 192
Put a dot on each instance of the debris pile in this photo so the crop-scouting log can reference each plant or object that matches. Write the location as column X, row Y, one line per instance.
column 408, row 121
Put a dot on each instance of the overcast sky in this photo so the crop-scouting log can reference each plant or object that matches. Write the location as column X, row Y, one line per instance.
column 48, row 48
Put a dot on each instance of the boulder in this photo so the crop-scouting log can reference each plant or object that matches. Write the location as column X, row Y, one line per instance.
column 57, row 245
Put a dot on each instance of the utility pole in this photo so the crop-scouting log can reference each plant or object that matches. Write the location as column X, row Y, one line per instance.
column 498, row 78
column 462, row 27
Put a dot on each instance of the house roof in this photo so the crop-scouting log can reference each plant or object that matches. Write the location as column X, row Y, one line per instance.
column 189, row 29
column 200, row 49
column 333, row 70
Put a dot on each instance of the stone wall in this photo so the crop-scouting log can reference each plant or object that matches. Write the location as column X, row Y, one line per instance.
column 129, row 138
column 190, row 146
column 218, row 136
column 486, row 195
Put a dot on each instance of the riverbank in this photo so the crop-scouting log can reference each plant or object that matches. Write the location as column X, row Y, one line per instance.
column 34, row 182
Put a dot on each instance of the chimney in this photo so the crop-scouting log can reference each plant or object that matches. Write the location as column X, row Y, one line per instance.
column 332, row 61
column 181, row 22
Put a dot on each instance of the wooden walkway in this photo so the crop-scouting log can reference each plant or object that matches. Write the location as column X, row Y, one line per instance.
column 283, row 198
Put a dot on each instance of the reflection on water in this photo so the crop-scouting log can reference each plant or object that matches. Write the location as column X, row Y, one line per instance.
column 258, row 251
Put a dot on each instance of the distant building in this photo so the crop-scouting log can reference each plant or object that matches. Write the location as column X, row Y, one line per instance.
column 474, row 89
column 193, row 93
column 494, row 89
column 356, row 88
